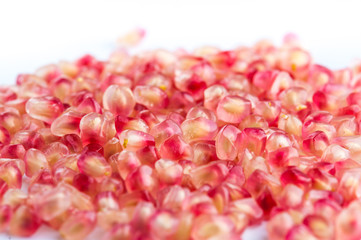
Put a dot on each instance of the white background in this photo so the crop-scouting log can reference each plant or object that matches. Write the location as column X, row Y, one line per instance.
column 35, row 33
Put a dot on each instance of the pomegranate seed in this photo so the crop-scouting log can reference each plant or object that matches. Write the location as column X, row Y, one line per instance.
column 35, row 161
column 94, row 164
column 46, row 109
column 200, row 128
column 227, row 142
column 118, row 100
column 78, row 225
column 175, row 148
column 24, row 222
column 232, row 109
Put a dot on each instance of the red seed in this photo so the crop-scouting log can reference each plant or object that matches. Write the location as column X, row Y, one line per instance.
column 46, row 109
column 24, row 222
column 118, row 100
column 94, row 164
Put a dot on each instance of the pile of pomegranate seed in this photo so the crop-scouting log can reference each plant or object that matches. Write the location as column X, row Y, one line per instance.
column 184, row 145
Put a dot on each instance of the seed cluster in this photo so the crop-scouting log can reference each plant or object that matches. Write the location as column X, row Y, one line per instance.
column 184, row 145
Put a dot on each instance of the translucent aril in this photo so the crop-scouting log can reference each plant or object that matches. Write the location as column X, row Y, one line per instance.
column 204, row 153
column 94, row 164
column 319, row 75
column 232, row 109
column 46, row 108
column 61, row 86
column 84, row 183
column 349, row 185
column 212, row 96
column 150, row 96
column 322, row 180
column 291, row 196
column 4, row 135
column 54, row 151
column 168, row 171
column 11, row 121
column 109, row 219
column 253, row 121
column 14, row 197
column 316, row 143
column 52, row 204
column 176, row 117
column 319, row 226
column 88, row 105
column 295, row 176
column 282, row 80
column 279, row 225
column 314, row 126
column 348, row 222
column 280, row 158
column 200, row 128
column 335, row 153
column 64, row 174
column 24, row 222
column 247, row 206
column 294, row 99
column 105, row 201
column 213, row 226
column 228, row 140
column 11, row 174
column 181, row 100
column 263, row 79
column 190, row 83
column 148, row 155
column 93, row 147
column 351, row 143
column 3, row 187
column 97, row 128
column 175, row 148
column 79, row 200
column 118, row 100
column 5, row 217
column 276, row 140
column 345, row 125
column 126, row 162
column 72, row 142
column 269, row 110
column 254, row 163
column 133, row 140
column 119, row 231
column 134, row 124
column 295, row 60
column 300, row 232
column 254, row 139
column 112, row 147
column 142, row 178
column 35, row 161
column 78, row 225
column 148, row 117
column 13, row 151
column 164, row 130
column 172, row 197
column 212, row 174
column 291, row 124
column 163, row 225
column 198, row 111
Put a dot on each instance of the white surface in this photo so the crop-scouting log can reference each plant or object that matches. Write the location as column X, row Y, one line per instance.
column 35, row 33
